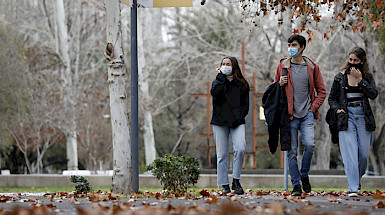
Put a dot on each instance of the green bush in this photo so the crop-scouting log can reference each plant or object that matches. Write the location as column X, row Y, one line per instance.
column 175, row 173
column 81, row 184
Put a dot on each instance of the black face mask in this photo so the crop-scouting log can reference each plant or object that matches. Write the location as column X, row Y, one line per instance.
column 356, row 66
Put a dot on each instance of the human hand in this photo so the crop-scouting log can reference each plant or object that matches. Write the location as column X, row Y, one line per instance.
column 356, row 73
column 340, row 110
column 283, row 80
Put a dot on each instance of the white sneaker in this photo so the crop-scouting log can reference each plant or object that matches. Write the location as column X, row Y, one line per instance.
column 352, row 194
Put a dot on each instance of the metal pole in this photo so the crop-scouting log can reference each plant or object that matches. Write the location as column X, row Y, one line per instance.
column 134, row 99
column 285, row 170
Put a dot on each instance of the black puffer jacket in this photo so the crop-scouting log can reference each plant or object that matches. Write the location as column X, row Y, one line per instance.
column 230, row 102
column 337, row 100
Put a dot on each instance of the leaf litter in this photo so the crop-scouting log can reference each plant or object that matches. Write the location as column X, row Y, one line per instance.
column 106, row 203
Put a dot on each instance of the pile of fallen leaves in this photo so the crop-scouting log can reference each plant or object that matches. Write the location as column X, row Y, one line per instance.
column 106, row 203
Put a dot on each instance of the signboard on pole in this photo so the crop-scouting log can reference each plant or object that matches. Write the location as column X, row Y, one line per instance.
column 160, row 3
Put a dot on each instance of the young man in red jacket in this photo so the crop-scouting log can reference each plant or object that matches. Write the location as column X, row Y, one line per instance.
column 305, row 91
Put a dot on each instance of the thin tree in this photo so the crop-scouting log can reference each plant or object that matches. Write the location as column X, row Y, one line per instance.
column 68, row 94
column 117, row 79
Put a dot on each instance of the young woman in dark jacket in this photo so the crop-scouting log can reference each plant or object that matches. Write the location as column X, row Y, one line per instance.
column 349, row 100
column 230, row 93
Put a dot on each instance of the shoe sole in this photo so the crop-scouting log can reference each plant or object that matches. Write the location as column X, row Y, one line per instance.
column 353, row 195
column 296, row 194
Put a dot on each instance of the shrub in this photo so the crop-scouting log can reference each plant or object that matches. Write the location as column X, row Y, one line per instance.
column 81, row 184
column 175, row 173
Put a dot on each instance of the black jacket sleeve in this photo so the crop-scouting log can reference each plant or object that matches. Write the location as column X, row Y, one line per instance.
column 369, row 88
column 334, row 96
column 218, row 86
column 245, row 100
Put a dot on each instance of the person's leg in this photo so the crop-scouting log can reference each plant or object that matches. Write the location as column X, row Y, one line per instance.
column 239, row 147
column 307, row 132
column 349, row 152
column 365, row 139
column 292, row 154
column 221, row 138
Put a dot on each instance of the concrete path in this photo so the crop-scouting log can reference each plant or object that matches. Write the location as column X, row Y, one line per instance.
column 205, row 180
column 213, row 202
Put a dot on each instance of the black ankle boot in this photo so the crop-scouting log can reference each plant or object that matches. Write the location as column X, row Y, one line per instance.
column 226, row 189
column 297, row 190
column 306, row 184
column 236, row 186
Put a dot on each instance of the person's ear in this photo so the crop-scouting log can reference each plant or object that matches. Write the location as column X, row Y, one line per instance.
column 301, row 48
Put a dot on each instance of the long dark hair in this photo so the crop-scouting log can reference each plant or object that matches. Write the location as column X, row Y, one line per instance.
column 237, row 74
column 361, row 54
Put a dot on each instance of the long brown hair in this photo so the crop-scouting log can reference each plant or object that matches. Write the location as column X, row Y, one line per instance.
column 361, row 54
column 237, row 74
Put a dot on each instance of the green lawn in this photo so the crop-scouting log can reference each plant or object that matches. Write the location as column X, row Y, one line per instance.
column 157, row 189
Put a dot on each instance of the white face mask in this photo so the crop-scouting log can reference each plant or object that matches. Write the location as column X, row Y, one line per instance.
column 227, row 70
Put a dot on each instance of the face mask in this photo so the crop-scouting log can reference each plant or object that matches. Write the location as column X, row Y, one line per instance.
column 293, row 52
column 227, row 70
column 359, row 67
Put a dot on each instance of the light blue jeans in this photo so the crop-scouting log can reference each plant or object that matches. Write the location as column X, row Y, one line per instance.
column 221, row 138
column 306, row 126
column 354, row 146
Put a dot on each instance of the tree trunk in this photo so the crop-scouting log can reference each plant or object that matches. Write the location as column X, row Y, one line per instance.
column 117, row 79
column 67, row 89
column 323, row 143
column 148, row 40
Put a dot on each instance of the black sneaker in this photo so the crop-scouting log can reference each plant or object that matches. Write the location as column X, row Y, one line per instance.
column 226, row 189
column 236, row 186
column 306, row 184
column 297, row 191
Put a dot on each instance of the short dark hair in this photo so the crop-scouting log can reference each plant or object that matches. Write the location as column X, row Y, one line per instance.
column 300, row 39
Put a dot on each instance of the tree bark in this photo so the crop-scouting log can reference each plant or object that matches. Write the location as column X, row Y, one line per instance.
column 148, row 23
column 117, row 79
column 69, row 99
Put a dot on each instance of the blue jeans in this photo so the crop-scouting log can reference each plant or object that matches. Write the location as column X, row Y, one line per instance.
column 354, row 146
column 221, row 138
column 306, row 126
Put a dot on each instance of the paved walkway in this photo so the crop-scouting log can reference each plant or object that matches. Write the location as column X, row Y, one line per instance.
column 252, row 202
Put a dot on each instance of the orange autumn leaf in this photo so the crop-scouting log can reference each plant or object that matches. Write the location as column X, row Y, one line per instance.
column 380, row 4
column 377, row 24
column 379, row 204
column 213, row 200
column 53, row 196
column 51, row 205
column 204, row 193
column 355, row 28
column 295, row 31
column 377, row 196
column 31, row 199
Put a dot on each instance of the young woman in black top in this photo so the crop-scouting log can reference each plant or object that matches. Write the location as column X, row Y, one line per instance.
column 348, row 98
column 230, row 92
